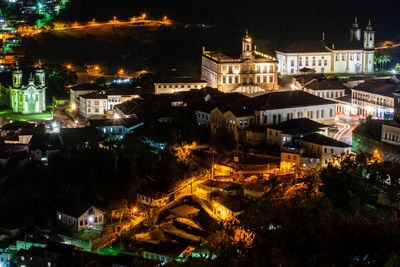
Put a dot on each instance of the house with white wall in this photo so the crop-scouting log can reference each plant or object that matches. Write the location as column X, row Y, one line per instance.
column 81, row 217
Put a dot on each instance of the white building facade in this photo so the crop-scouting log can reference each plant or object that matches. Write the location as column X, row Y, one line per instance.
column 355, row 57
column 93, row 105
column 253, row 72
column 375, row 98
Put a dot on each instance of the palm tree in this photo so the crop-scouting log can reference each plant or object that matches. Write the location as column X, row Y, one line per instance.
column 385, row 60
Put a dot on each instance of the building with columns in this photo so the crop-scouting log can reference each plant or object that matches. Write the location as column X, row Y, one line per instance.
column 252, row 72
column 375, row 97
column 26, row 98
column 355, row 56
column 391, row 130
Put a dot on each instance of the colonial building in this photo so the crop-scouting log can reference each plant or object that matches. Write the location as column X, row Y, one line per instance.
column 325, row 88
column 311, row 150
column 354, row 56
column 375, row 97
column 253, row 72
column 271, row 109
column 29, row 98
column 93, row 104
column 171, row 85
column 278, row 107
column 287, row 131
column 83, row 89
column 391, row 130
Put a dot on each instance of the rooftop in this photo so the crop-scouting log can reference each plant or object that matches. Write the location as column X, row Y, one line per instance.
column 323, row 140
column 286, row 99
column 383, row 87
column 184, row 210
column 181, row 79
column 326, row 85
column 305, row 47
column 75, row 209
column 298, row 126
column 97, row 95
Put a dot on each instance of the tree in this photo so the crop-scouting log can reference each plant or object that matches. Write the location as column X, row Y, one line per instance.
column 57, row 79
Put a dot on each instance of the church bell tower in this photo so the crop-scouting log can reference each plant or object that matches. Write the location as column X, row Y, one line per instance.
column 369, row 37
column 17, row 77
column 247, row 46
column 355, row 32
column 40, row 75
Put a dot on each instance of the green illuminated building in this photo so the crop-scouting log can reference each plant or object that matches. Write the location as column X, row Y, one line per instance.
column 29, row 98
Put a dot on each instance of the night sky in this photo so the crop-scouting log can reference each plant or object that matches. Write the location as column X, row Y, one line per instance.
column 283, row 21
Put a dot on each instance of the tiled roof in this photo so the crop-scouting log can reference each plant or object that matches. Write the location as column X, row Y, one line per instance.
column 384, row 87
column 320, row 139
column 305, row 47
column 181, row 79
column 184, row 210
column 347, row 45
column 298, row 126
column 326, row 85
column 96, row 95
column 286, row 99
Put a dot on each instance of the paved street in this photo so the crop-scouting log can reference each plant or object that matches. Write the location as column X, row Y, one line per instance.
column 346, row 126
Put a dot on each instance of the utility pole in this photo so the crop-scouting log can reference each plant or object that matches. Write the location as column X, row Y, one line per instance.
column 212, row 166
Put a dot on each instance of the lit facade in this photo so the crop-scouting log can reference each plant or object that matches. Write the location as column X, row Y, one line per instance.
column 356, row 56
column 253, row 72
column 29, row 98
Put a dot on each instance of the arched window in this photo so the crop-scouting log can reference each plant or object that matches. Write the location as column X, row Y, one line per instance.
column 251, row 80
column 244, row 80
column 247, row 47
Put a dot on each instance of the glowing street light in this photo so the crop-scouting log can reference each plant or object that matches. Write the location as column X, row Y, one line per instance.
column 73, row 106
column 144, row 16
column 116, row 116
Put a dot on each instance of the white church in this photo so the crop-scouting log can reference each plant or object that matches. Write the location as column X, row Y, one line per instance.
column 355, row 56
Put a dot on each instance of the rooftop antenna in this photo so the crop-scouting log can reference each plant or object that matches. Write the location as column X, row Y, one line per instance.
column 247, row 33
column 323, row 36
